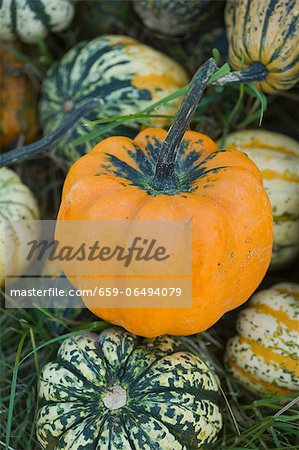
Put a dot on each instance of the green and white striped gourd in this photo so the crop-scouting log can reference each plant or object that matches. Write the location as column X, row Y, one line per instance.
column 277, row 157
column 170, row 17
column 18, row 206
column 124, row 74
column 264, row 354
column 31, row 20
column 118, row 391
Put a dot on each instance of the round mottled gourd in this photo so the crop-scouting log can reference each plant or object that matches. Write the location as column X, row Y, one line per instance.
column 170, row 17
column 264, row 355
column 277, row 157
column 31, row 20
column 18, row 100
column 115, row 391
column 17, row 205
column 126, row 75
column 263, row 36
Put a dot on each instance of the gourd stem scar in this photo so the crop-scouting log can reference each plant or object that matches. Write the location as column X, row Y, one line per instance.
column 115, row 398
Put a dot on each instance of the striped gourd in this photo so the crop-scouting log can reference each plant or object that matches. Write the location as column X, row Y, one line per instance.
column 116, row 391
column 263, row 35
column 277, row 157
column 124, row 74
column 171, row 17
column 264, row 354
column 17, row 205
column 31, row 20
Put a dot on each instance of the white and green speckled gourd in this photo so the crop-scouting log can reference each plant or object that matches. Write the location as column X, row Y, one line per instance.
column 277, row 157
column 170, row 17
column 119, row 392
column 17, row 205
column 264, row 354
column 125, row 75
column 31, row 20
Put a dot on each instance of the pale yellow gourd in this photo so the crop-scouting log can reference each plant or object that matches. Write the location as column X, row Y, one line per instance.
column 18, row 209
column 264, row 354
column 277, row 157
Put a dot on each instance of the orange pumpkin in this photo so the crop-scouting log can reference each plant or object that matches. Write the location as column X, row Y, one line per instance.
column 18, row 100
column 179, row 176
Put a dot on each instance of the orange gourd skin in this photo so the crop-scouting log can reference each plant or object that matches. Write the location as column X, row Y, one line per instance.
column 225, row 199
column 18, row 101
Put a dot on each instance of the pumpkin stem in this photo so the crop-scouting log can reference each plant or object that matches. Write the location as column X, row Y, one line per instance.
column 43, row 144
column 165, row 177
column 257, row 72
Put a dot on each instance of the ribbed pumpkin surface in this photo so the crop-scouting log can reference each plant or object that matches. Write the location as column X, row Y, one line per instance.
column 277, row 157
column 30, row 20
column 215, row 190
column 264, row 354
column 17, row 204
column 265, row 31
column 126, row 75
column 114, row 391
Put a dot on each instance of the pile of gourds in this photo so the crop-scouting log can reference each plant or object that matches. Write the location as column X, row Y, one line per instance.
column 138, row 386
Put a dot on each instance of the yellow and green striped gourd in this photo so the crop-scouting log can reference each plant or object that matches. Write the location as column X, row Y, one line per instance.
column 264, row 354
column 263, row 42
column 277, row 157
column 125, row 75
column 18, row 210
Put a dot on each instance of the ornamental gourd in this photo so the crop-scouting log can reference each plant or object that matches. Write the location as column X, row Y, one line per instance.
column 171, row 17
column 277, row 157
column 264, row 355
column 115, row 391
column 18, row 101
column 125, row 75
column 178, row 175
column 263, row 38
column 17, row 205
column 30, row 21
